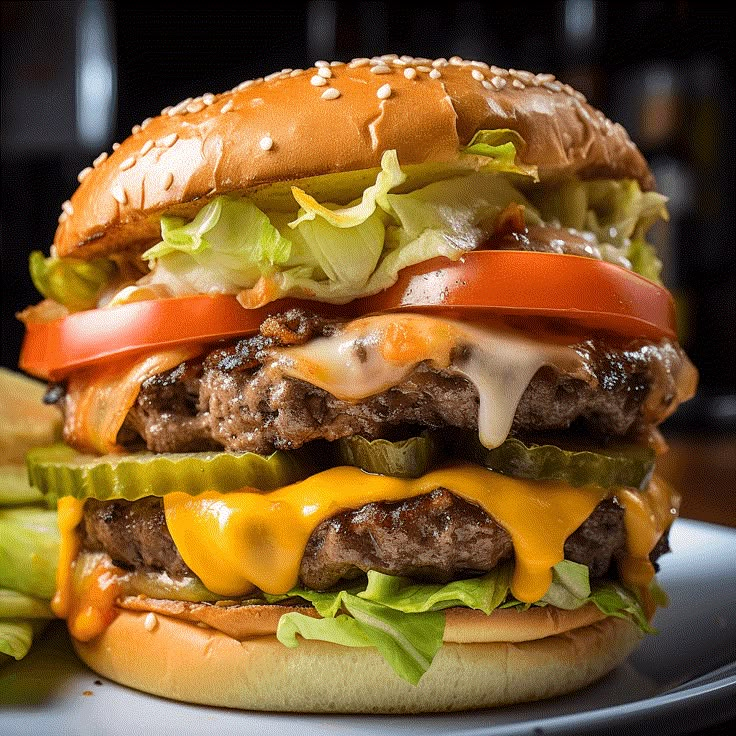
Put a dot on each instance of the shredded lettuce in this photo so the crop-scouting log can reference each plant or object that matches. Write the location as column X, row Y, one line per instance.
column 617, row 212
column 70, row 281
column 405, row 620
column 332, row 253
column 500, row 146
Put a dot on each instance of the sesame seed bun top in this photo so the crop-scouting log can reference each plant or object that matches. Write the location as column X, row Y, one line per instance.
column 335, row 117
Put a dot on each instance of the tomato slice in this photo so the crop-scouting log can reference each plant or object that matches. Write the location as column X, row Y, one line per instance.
column 483, row 285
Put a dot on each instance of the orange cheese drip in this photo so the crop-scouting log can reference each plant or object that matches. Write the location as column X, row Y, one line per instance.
column 647, row 516
column 236, row 541
column 86, row 599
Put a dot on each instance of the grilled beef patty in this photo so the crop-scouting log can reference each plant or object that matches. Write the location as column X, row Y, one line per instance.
column 236, row 399
column 436, row 537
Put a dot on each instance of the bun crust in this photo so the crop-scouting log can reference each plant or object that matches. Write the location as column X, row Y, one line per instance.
column 186, row 662
column 282, row 129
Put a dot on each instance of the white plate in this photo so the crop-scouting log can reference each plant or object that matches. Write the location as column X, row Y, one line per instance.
column 682, row 679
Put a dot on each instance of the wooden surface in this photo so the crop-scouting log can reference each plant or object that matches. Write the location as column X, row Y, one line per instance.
column 704, row 471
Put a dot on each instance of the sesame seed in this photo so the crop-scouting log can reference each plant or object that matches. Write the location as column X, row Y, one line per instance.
column 115, row 146
column 389, row 57
column 195, row 106
column 288, row 70
column 498, row 82
column 321, row 64
column 410, row 72
column 479, row 64
column 208, row 98
column 324, row 72
column 136, row 129
column 399, row 62
column 129, row 163
column 269, row 77
column 380, row 69
column 363, row 61
column 406, row 58
column 168, row 140
column 146, row 123
column 499, row 72
column 477, row 75
column 384, row 92
column 486, row 84
column 99, row 159
column 435, row 74
column 317, row 81
column 337, row 63
column 150, row 621
column 526, row 77
column 227, row 106
column 422, row 60
column 82, row 175
column 439, row 63
column 331, row 93
column 63, row 217
column 518, row 84
column 542, row 78
column 244, row 85
column 266, row 143
column 147, row 146
column 119, row 194
column 296, row 72
column 552, row 86
column 455, row 60
column 67, row 207
column 424, row 68
column 165, row 111
column 168, row 181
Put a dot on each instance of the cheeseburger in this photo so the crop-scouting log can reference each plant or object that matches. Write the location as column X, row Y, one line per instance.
column 361, row 368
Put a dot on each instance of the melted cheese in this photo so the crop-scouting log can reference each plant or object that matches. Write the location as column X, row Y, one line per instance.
column 372, row 354
column 236, row 541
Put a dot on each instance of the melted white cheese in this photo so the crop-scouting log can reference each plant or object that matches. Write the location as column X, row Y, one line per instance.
column 372, row 354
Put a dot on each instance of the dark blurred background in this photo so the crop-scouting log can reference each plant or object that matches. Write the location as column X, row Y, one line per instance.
column 77, row 75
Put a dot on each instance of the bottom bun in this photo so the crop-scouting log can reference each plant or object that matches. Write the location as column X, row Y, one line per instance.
column 191, row 663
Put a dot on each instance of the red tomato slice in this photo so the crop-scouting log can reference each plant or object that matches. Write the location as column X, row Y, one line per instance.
column 483, row 285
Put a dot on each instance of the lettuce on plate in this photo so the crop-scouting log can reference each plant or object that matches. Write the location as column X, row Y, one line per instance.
column 405, row 622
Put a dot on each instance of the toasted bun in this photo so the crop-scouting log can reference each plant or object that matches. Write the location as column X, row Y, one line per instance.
column 283, row 129
column 195, row 663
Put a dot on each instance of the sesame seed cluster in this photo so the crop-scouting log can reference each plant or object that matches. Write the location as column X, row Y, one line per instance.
column 322, row 77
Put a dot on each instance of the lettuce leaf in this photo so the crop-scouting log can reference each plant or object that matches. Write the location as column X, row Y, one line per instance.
column 617, row 212
column 407, row 643
column 14, row 486
column 29, row 551
column 500, row 146
column 18, row 605
column 16, row 637
column 405, row 620
column 70, row 281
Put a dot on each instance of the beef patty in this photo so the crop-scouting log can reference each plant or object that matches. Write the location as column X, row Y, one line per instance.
column 436, row 537
column 236, row 398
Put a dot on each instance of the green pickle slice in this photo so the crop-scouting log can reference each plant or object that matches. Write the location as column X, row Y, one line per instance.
column 59, row 471
column 624, row 465
column 409, row 458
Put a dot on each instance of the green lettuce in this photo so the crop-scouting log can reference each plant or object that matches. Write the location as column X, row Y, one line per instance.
column 500, row 146
column 405, row 620
column 18, row 605
column 14, row 486
column 70, row 281
column 618, row 214
column 29, row 551
column 328, row 252
column 16, row 636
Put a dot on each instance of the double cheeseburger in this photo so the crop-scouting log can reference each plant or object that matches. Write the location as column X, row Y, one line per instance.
column 361, row 368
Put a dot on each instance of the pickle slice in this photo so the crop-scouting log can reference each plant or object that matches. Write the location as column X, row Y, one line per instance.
column 626, row 465
column 408, row 458
column 59, row 471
